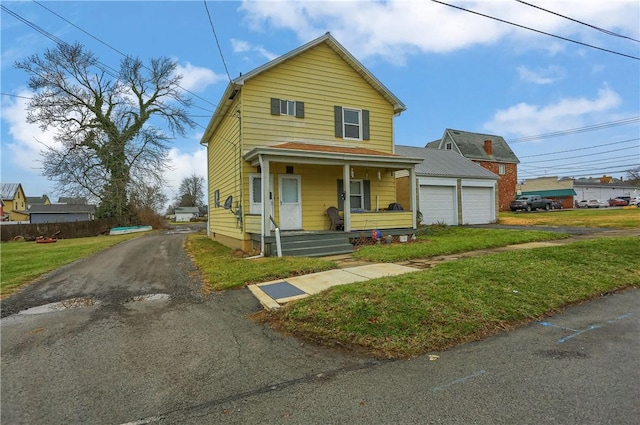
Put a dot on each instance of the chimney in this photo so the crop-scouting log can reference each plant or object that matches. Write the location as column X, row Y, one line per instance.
column 488, row 148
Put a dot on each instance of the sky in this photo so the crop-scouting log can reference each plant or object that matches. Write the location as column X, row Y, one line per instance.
column 562, row 88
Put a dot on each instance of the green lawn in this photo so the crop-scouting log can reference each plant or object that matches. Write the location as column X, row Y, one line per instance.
column 626, row 218
column 444, row 240
column 468, row 299
column 24, row 261
column 221, row 269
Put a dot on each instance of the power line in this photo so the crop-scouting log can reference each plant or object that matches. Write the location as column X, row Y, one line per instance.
column 538, row 31
column 118, row 51
column 579, row 22
column 580, row 156
column 578, row 149
column 217, row 42
column 610, row 124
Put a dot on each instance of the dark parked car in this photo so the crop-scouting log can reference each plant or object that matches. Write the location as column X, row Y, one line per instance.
column 556, row 205
column 618, row 202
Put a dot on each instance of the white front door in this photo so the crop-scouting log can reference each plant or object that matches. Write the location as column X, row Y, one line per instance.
column 290, row 202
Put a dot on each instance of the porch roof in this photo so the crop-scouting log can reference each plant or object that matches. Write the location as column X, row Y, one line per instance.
column 310, row 153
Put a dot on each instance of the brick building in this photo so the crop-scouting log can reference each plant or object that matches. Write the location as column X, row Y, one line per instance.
column 490, row 152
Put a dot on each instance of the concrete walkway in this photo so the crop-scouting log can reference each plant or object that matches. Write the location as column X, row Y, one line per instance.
column 275, row 293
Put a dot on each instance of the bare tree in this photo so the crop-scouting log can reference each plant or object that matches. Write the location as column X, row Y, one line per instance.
column 191, row 191
column 105, row 123
column 148, row 197
column 633, row 176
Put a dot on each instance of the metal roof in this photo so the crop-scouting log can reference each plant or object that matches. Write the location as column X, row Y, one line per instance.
column 8, row 190
column 62, row 208
column 445, row 163
column 556, row 193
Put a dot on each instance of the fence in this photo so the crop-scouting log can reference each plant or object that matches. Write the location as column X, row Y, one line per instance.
column 76, row 229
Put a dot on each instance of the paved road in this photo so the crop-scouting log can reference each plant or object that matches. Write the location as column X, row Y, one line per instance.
column 140, row 344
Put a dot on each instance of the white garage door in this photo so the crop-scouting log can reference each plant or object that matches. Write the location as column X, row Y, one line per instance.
column 477, row 205
column 437, row 205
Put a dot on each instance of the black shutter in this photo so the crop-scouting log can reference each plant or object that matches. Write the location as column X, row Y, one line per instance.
column 340, row 192
column 299, row 109
column 337, row 111
column 367, row 194
column 365, row 125
column 275, row 106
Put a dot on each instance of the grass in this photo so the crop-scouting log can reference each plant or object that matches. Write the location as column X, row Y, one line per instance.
column 22, row 262
column 626, row 218
column 459, row 301
column 222, row 270
column 444, row 240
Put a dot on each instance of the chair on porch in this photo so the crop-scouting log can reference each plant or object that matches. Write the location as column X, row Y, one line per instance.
column 337, row 222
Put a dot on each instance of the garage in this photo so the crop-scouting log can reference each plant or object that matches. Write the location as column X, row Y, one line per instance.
column 476, row 202
column 452, row 189
column 436, row 204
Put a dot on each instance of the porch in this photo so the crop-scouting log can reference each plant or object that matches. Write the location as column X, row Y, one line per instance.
column 322, row 243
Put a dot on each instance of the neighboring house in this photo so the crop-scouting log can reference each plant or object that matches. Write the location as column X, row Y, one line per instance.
column 570, row 191
column 186, row 213
column 307, row 131
column 75, row 200
column 15, row 202
column 490, row 152
column 37, row 200
column 452, row 189
column 62, row 213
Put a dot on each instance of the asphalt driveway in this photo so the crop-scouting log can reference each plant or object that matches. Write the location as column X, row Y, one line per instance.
column 138, row 343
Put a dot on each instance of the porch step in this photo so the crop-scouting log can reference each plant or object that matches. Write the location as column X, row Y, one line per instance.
column 313, row 244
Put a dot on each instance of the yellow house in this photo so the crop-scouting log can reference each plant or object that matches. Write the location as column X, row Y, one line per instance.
column 310, row 130
column 14, row 202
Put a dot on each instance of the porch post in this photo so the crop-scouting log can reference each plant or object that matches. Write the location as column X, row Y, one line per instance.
column 266, row 201
column 412, row 196
column 346, row 176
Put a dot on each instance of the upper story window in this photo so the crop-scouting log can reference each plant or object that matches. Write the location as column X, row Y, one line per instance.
column 502, row 169
column 294, row 108
column 351, row 123
column 448, row 146
column 287, row 107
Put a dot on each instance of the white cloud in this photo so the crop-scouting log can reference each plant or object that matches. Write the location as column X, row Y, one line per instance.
column 542, row 76
column 27, row 139
column 394, row 29
column 195, row 78
column 184, row 165
column 241, row 46
column 526, row 120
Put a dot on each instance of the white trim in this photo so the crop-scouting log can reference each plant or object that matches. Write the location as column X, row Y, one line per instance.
column 344, row 123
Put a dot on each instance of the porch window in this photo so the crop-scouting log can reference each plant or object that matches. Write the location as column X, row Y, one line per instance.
column 255, row 194
column 357, row 194
column 351, row 124
column 360, row 194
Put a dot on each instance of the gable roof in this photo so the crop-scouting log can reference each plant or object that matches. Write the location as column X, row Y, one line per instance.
column 471, row 145
column 8, row 190
column 236, row 84
column 37, row 199
column 445, row 163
